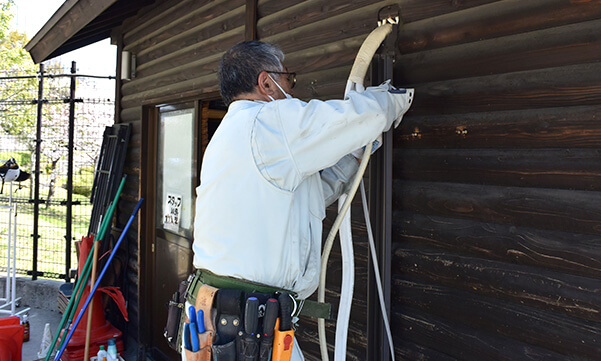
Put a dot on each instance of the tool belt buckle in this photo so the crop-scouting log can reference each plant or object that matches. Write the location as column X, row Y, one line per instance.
column 191, row 280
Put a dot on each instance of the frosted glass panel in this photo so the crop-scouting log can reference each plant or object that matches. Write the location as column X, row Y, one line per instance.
column 175, row 172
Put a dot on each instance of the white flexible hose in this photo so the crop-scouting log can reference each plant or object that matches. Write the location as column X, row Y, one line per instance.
column 358, row 71
column 374, row 258
column 348, row 284
column 321, row 291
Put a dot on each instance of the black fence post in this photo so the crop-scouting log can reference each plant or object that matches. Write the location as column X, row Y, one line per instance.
column 68, row 234
column 36, row 193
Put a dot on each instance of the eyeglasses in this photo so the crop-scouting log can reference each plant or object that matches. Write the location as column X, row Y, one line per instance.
column 291, row 76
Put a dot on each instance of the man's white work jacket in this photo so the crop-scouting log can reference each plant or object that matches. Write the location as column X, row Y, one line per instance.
column 263, row 193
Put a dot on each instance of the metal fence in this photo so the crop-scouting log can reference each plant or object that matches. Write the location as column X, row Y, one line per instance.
column 56, row 137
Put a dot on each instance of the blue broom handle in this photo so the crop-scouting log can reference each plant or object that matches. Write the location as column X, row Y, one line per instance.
column 106, row 266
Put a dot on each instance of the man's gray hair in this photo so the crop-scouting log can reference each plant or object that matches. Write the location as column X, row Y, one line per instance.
column 240, row 67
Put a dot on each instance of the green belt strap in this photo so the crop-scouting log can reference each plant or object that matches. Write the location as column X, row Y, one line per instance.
column 309, row 308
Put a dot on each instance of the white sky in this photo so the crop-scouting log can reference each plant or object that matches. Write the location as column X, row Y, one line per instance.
column 94, row 59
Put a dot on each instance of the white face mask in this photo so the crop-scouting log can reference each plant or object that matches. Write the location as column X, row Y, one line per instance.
column 288, row 96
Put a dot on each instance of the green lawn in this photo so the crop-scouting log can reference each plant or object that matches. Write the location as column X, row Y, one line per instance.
column 51, row 229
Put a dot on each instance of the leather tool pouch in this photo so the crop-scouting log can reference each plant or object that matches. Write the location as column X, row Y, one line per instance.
column 232, row 343
column 174, row 315
column 228, row 324
column 248, row 347
column 204, row 301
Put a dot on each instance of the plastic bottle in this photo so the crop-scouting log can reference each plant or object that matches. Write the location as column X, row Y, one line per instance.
column 25, row 323
column 101, row 355
column 112, row 350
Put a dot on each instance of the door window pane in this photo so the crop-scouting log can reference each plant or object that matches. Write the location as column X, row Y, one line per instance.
column 175, row 171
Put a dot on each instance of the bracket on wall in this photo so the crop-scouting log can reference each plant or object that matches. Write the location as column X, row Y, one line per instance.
column 390, row 14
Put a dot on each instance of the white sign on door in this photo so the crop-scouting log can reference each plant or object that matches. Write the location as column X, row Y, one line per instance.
column 173, row 211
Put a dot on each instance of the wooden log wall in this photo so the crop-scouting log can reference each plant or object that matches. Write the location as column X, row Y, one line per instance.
column 496, row 218
column 321, row 40
column 496, row 229
column 177, row 45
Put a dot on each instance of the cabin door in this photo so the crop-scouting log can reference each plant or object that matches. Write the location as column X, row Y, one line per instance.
column 176, row 180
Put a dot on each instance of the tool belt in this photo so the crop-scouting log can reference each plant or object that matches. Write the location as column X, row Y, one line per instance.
column 240, row 320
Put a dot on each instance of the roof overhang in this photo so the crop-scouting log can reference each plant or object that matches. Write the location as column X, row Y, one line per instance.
column 78, row 23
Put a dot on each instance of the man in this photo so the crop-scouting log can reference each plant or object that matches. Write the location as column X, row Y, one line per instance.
column 273, row 166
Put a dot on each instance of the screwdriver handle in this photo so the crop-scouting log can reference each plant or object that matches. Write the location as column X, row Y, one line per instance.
column 271, row 315
column 251, row 315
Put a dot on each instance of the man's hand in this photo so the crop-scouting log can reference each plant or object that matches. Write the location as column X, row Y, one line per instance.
column 402, row 92
column 401, row 97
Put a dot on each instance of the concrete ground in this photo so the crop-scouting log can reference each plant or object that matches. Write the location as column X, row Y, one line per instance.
column 41, row 296
column 37, row 320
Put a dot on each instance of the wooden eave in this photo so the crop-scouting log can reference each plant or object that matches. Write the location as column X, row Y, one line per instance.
column 78, row 23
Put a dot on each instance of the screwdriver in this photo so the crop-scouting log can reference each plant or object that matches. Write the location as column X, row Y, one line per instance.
column 269, row 320
column 251, row 323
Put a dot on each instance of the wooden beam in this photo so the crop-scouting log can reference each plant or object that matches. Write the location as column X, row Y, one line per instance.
column 325, row 56
column 312, row 10
column 181, row 91
column 573, row 168
column 551, row 209
column 493, row 20
column 302, row 13
column 172, row 76
column 251, row 20
column 204, row 128
column 570, row 127
column 546, row 48
column 186, row 27
column 71, row 17
column 471, row 328
column 149, row 19
column 59, row 14
column 564, row 252
column 180, row 57
column 572, row 85
column 566, row 294
column 323, row 84
column 408, row 350
column 336, row 28
column 216, row 114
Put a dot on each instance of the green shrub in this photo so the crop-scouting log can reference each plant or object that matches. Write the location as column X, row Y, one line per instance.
column 83, row 179
column 22, row 158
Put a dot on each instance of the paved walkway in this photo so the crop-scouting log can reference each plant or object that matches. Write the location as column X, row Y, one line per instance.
column 37, row 320
column 41, row 295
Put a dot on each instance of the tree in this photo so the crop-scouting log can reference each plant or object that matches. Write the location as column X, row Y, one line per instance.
column 18, row 112
column 14, row 61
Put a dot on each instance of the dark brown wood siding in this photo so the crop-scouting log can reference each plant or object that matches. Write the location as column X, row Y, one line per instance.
column 177, row 45
column 321, row 39
column 496, row 224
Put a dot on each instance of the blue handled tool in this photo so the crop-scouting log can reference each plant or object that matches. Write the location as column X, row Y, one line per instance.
column 194, row 337
column 187, row 339
column 200, row 321
column 192, row 314
column 98, row 281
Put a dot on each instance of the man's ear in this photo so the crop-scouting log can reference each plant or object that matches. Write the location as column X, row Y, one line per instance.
column 265, row 85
